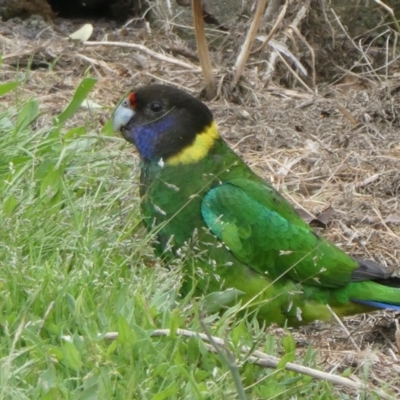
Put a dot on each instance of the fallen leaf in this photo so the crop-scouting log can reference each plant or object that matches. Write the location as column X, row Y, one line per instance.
column 82, row 34
column 320, row 220
column 325, row 216
column 305, row 215
column 347, row 114
column 90, row 104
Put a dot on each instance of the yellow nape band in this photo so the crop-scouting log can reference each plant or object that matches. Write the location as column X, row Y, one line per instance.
column 198, row 149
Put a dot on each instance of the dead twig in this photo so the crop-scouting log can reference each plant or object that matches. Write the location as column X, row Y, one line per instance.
column 229, row 359
column 303, row 39
column 346, row 113
column 265, row 360
column 295, row 74
column 359, row 48
column 25, row 52
column 274, row 29
column 251, row 35
column 147, row 51
column 391, row 12
column 202, row 49
column 271, row 10
column 99, row 63
column 275, row 54
column 322, row 6
column 338, row 320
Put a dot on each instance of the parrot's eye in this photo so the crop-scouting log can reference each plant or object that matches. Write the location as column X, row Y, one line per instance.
column 125, row 103
column 156, row 106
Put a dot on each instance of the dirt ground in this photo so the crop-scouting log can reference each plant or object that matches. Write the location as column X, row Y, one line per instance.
column 335, row 147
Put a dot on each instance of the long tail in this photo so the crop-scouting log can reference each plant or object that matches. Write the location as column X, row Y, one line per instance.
column 388, row 294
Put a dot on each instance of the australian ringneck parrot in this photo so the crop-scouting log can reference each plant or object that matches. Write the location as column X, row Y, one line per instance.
column 237, row 232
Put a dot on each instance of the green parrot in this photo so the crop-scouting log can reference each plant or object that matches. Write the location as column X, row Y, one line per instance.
column 236, row 233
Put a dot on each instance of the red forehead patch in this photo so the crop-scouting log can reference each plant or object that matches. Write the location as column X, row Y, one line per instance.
column 132, row 99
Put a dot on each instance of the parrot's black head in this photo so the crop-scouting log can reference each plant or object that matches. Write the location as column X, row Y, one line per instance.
column 166, row 124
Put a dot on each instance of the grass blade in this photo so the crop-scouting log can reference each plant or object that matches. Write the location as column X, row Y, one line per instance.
column 80, row 95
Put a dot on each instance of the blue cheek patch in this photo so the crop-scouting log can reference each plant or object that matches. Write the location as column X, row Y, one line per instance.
column 147, row 136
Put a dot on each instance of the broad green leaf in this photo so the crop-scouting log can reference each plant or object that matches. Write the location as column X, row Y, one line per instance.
column 6, row 124
column 52, row 394
column 43, row 168
column 347, row 372
column 112, row 347
column 80, row 95
column 171, row 390
column 214, row 301
column 48, row 378
column 91, row 387
column 291, row 380
column 27, row 115
column 9, row 204
column 70, row 300
column 125, row 333
column 51, row 184
column 174, row 323
column 288, row 343
column 107, row 129
column 72, row 357
column 284, row 360
column 75, row 132
column 289, row 347
column 239, row 332
column 8, row 87
column 193, row 351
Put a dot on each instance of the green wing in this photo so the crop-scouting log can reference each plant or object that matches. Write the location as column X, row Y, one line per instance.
column 265, row 233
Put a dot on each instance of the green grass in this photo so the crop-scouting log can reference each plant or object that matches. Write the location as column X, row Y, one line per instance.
column 76, row 264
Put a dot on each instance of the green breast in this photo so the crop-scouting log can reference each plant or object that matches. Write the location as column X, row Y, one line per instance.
column 172, row 195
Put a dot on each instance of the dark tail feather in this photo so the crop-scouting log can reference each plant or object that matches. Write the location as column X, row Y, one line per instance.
column 371, row 271
column 393, row 281
column 377, row 304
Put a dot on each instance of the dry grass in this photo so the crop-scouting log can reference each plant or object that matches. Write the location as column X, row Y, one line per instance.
column 339, row 147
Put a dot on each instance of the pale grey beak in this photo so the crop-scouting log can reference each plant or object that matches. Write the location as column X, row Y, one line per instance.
column 122, row 115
